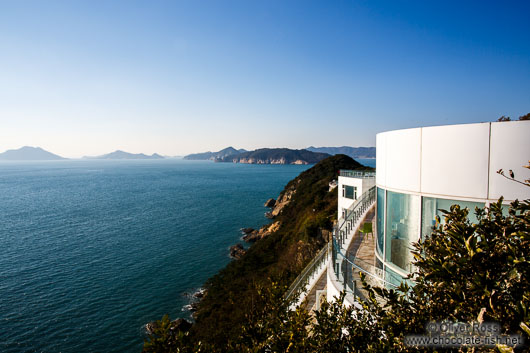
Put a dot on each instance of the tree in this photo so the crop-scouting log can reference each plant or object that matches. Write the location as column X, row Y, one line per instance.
column 507, row 118
column 465, row 272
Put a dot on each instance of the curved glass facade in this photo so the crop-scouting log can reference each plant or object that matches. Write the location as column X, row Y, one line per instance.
column 402, row 227
column 380, row 226
column 432, row 207
column 401, row 218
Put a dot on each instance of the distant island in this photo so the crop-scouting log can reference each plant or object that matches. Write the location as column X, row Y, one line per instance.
column 28, row 153
column 126, row 155
column 276, row 156
column 281, row 155
column 353, row 152
column 229, row 151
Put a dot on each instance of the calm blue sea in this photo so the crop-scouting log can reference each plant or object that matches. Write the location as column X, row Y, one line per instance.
column 93, row 250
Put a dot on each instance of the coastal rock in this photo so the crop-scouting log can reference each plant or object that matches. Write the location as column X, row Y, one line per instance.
column 251, row 237
column 269, row 215
column 273, row 227
column 178, row 325
column 270, row 203
column 264, row 231
column 199, row 294
column 282, row 201
column 237, row 251
column 247, row 231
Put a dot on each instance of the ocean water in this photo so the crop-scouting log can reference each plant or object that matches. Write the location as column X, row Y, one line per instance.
column 369, row 162
column 93, row 250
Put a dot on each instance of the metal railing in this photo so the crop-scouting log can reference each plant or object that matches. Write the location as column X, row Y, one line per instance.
column 356, row 173
column 346, row 266
column 353, row 215
column 298, row 287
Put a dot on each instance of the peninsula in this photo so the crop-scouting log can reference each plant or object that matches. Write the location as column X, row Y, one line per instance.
column 276, row 156
column 229, row 151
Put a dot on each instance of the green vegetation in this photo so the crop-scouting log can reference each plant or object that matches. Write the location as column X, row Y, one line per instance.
column 234, row 292
column 464, row 272
column 507, row 118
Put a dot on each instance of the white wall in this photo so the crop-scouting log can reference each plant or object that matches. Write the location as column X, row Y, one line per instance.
column 344, row 202
column 331, row 290
column 455, row 161
column 367, row 184
column 510, row 149
column 403, row 159
column 362, row 185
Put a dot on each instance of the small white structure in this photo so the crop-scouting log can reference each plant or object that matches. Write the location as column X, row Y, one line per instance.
column 352, row 184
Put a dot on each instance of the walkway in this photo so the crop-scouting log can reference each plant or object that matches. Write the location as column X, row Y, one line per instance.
column 362, row 248
column 311, row 298
column 363, row 245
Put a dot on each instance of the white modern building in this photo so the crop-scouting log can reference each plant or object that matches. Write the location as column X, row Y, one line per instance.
column 352, row 185
column 419, row 172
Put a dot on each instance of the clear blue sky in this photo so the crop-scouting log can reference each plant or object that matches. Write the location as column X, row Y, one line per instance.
column 175, row 77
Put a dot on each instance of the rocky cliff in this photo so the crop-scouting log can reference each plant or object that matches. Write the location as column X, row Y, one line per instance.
column 276, row 156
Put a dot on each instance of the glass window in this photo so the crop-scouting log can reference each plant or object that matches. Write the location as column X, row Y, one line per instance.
column 432, row 207
column 380, row 220
column 392, row 277
column 402, row 227
column 349, row 191
column 505, row 209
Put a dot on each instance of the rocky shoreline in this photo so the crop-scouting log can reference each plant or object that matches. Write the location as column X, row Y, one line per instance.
column 178, row 325
column 236, row 252
column 251, row 235
column 302, row 217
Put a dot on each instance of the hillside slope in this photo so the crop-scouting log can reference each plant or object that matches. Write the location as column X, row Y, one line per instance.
column 280, row 256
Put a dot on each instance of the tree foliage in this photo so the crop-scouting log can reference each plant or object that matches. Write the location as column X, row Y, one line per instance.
column 464, row 272
column 233, row 292
column 507, row 118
